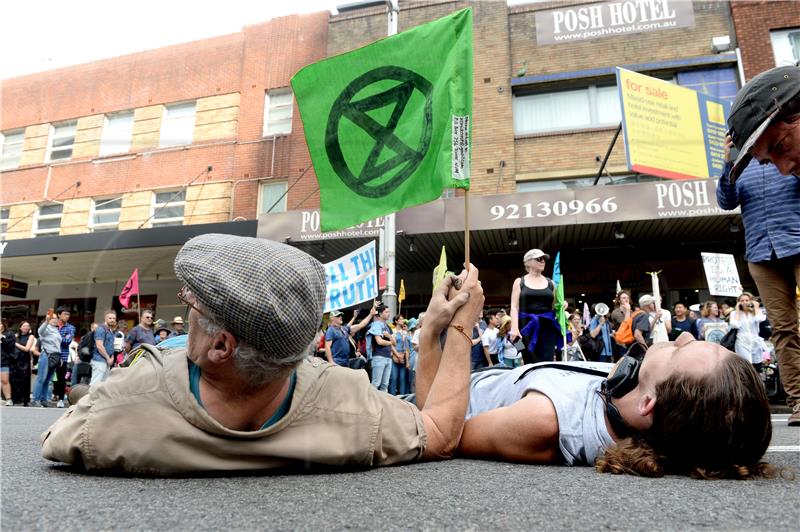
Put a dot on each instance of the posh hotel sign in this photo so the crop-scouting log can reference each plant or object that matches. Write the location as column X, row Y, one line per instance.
column 606, row 19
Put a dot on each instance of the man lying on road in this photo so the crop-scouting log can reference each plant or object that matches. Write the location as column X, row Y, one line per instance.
column 243, row 395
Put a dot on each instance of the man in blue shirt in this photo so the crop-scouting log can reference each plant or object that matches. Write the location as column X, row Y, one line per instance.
column 337, row 337
column 682, row 322
column 67, row 331
column 103, row 352
column 770, row 204
column 142, row 333
column 382, row 345
column 764, row 125
column 477, row 357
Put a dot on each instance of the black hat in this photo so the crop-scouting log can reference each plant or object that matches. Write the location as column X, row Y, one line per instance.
column 756, row 105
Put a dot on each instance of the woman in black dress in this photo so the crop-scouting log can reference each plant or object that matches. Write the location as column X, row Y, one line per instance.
column 21, row 366
column 7, row 353
column 532, row 300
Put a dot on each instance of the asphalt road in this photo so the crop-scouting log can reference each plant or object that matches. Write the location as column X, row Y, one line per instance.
column 460, row 495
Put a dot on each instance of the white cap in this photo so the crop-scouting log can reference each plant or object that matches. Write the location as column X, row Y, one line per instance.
column 533, row 254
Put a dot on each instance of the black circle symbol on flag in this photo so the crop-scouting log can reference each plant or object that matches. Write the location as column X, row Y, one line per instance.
column 372, row 181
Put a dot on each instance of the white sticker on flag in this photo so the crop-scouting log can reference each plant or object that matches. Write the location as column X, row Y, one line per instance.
column 460, row 147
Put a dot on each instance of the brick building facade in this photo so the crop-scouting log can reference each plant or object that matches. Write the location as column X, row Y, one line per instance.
column 216, row 90
column 760, row 27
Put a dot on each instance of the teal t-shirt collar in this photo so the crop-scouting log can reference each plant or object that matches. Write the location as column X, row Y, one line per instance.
column 283, row 409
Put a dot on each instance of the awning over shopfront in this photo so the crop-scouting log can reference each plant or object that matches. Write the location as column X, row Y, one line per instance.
column 105, row 256
column 652, row 218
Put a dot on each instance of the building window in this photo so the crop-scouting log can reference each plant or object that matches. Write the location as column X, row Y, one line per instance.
column 786, row 46
column 177, row 125
column 47, row 220
column 278, row 112
column 62, row 139
column 717, row 82
column 5, row 214
column 273, row 196
column 105, row 214
column 117, row 133
column 12, row 148
column 588, row 107
column 168, row 208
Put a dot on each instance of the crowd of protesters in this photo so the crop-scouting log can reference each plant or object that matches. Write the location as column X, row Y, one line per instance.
column 40, row 364
column 387, row 349
column 55, row 357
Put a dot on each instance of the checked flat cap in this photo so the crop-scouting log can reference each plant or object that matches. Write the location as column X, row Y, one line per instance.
column 267, row 294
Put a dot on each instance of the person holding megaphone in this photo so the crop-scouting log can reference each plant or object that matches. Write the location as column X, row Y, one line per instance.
column 600, row 328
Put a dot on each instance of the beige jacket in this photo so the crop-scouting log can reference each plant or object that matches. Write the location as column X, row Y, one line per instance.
column 145, row 420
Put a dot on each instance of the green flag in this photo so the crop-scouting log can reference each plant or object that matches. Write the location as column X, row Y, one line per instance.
column 558, row 279
column 388, row 125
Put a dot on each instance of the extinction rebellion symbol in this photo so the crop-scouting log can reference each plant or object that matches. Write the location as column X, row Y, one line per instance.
column 376, row 180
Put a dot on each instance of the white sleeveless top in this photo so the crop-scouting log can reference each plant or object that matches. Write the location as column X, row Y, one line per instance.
column 582, row 432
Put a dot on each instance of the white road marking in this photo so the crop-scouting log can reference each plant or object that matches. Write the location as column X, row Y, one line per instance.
column 784, row 449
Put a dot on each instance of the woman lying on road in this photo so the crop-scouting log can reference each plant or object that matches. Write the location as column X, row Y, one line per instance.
column 689, row 407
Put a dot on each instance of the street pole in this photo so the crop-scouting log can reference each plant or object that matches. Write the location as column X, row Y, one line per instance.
column 389, row 229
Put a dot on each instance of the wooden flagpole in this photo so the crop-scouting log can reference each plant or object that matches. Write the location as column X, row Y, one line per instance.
column 466, row 229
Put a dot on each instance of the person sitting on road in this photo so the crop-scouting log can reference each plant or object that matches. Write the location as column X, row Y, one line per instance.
column 243, row 395
column 689, row 407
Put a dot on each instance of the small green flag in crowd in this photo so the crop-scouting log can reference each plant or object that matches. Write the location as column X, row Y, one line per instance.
column 558, row 280
column 388, row 125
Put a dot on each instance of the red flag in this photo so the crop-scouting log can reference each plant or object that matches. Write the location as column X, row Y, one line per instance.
column 131, row 288
column 382, row 278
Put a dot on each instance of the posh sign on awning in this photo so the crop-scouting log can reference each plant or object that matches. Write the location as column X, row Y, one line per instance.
column 585, row 205
column 606, row 19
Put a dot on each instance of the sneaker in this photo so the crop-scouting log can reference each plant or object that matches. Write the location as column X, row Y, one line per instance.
column 9, row 403
column 36, row 403
column 60, row 404
column 794, row 419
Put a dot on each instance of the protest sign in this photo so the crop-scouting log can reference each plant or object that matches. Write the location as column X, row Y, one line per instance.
column 721, row 274
column 351, row 279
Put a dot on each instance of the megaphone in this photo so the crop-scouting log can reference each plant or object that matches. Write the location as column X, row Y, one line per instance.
column 601, row 309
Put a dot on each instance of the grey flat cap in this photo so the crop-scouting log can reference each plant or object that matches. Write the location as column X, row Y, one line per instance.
column 267, row 294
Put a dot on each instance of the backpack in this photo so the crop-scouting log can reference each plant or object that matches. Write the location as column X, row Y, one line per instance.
column 624, row 334
column 729, row 340
column 591, row 347
column 86, row 347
